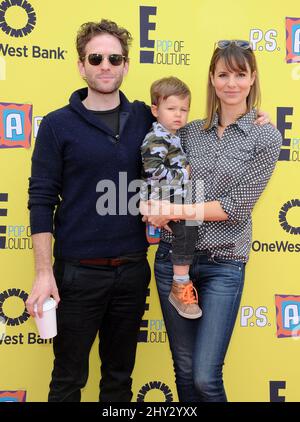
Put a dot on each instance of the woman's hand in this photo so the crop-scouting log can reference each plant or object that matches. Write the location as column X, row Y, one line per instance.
column 156, row 208
column 144, row 209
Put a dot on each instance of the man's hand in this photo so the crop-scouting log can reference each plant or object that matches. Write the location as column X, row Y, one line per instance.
column 44, row 286
column 262, row 118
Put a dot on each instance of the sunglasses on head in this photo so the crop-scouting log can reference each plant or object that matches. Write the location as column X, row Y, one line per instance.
column 222, row 44
column 96, row 58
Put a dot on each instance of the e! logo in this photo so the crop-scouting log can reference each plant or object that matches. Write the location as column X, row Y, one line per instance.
column 146, row 56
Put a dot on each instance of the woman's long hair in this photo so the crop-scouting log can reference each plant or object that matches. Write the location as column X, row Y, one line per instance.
column 236, row 60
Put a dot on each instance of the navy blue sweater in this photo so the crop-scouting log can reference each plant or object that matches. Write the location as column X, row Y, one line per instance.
column 74, row 151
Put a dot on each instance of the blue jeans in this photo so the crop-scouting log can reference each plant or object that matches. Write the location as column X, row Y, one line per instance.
column 199, row 346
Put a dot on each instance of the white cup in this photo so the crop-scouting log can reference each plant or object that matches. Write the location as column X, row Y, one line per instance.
column 46, row 325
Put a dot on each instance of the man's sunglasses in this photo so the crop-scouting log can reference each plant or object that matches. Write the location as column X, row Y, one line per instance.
column 114, row 59
column 222, row 44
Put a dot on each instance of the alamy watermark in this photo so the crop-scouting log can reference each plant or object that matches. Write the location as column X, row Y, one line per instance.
column 159, row 198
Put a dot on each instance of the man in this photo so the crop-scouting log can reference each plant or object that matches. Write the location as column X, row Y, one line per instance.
column 101, row 273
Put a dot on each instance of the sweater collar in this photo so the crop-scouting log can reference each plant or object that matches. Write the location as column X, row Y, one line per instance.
column 76, row 104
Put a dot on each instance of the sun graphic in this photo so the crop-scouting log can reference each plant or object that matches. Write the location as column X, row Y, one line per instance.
column 17, row 20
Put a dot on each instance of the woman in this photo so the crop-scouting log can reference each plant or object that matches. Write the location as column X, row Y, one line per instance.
column 235, row 159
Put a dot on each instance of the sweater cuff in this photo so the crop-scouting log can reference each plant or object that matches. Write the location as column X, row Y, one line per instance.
column 41, row 219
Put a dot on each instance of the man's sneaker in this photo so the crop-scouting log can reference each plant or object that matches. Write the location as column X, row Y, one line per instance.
column 184, row 298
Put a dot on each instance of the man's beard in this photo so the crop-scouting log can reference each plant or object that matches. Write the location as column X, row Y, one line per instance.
column 97, row 88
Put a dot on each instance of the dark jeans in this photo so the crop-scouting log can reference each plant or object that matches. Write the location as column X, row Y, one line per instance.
column 183, row 245
column 103, row 300
column 199, row 346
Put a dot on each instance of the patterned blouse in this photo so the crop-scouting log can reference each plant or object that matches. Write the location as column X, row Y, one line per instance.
column 235, row 170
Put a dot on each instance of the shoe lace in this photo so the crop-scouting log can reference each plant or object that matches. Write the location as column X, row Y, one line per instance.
column 189, row 294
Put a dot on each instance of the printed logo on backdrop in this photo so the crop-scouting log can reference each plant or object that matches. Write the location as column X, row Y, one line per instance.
column 15, row 125
column 287, row 315
column 266, row 39
column 292, row 40
column 154, row 51
column 288, row 218
column 157, row 387
column 18, row 396
column 24, row 11
column 275, row 393
column 21, row 299
column 152, row 330
column 263, row 40
column 290, row 150
column 143, row 334
column 18, row 237
column 13, row 313
column 290, row 228
column 157, row 331
column 3, row 213
column 12, row 236
column 254, row 317
column 17, row 20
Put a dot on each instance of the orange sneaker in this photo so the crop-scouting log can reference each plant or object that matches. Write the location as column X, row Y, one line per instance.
column 184, row 298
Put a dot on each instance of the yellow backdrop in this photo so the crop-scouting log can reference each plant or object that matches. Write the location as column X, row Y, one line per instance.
column 38, row 72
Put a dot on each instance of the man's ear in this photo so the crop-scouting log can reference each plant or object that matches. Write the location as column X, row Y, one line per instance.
column 81, row 68
column 126, row 67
